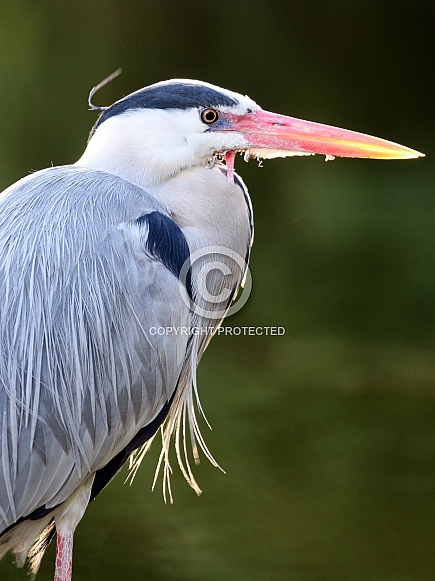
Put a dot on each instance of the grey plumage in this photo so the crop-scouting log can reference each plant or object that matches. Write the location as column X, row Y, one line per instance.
column 78, row 370
column 80, row 373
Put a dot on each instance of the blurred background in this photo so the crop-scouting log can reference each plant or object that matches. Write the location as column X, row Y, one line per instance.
column 327, row 433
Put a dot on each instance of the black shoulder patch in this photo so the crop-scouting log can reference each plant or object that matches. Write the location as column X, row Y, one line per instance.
column 168, row 96
column 167, row 243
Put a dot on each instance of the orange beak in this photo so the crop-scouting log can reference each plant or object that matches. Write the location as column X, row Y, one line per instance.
column 273, row 135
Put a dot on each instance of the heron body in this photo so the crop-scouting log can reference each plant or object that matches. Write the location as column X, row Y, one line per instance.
column 96, row 254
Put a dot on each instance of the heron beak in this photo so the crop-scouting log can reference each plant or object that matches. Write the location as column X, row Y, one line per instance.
column 271, row 135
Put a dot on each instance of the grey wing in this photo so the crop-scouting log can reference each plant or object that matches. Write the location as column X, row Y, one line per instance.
column 84, row 362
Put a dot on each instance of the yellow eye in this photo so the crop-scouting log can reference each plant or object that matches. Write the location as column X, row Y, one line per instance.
column 209, row 116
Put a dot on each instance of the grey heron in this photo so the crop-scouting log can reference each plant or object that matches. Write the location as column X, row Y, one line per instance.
column 93, row 256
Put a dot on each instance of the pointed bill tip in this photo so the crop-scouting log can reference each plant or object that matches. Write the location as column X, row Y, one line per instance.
column 412, row 154
column 375, row 148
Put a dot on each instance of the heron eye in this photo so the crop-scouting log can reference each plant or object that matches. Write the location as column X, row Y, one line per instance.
column 209, row 115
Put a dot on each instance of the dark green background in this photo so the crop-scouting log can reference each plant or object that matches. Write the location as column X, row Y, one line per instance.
column 326, row 434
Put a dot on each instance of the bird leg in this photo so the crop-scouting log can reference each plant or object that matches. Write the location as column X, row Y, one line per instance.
column 64, row 546
column 66, row 519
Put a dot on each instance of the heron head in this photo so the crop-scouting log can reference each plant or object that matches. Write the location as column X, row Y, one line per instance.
column 156, row 132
